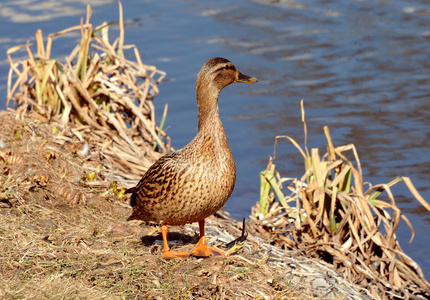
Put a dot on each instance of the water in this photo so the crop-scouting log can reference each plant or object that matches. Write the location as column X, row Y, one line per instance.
column 360, row 66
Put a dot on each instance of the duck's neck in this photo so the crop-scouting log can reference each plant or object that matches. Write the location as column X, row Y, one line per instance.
column 207, row 104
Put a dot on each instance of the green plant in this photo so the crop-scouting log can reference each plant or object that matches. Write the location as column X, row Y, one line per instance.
column 338, row 219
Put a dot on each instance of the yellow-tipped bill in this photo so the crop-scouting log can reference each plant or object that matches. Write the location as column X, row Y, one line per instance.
column 244, row 78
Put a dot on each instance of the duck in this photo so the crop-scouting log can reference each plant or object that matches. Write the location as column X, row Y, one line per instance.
column 194, row 182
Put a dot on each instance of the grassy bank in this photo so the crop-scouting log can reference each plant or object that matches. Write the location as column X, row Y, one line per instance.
column 64, row 234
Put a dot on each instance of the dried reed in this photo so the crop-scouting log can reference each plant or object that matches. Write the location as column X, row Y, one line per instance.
column 102, row 98
column 330, row 214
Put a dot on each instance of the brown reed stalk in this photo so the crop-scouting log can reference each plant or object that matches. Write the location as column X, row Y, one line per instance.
column 105, row 98
column 337, row 219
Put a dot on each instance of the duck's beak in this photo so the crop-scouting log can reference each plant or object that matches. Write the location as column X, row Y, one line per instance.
column 244, row 78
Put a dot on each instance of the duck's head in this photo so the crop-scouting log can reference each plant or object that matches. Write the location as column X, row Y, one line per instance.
column 219, row 72
column 215, row 75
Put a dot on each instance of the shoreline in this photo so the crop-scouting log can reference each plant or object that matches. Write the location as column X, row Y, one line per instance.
column 44, row 178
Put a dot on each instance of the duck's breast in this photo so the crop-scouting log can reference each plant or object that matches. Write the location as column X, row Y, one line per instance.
column 205, row 184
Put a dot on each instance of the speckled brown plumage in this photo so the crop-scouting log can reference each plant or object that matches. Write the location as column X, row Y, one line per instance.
column 194, row 182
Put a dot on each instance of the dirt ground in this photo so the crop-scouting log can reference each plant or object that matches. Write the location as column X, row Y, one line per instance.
column 64, row 234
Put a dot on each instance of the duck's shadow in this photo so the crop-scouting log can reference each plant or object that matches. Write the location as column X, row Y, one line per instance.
column 172, row 237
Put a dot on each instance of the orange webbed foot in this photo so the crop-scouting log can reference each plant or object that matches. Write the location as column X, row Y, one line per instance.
column 167, row 253
column 204, row 250
column 175, row 255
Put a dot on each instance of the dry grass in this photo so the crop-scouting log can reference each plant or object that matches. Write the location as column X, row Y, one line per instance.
column 55, row 246
column 333, row 214
column 104, row 97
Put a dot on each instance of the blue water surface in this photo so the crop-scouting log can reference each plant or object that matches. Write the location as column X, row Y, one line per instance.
column 361, row 67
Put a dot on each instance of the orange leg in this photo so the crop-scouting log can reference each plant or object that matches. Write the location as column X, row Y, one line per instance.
column 202, row 249
column 167, row 253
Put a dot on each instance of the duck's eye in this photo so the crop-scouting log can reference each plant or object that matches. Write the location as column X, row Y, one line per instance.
column 224, row 68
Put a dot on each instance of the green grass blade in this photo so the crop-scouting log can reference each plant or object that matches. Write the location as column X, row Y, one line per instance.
column 264, row 193
column 163, row 119
column 379, row 190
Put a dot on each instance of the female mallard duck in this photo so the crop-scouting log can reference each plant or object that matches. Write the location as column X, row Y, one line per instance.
column 194, row 182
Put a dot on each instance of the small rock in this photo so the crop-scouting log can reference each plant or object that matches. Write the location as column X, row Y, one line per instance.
column 85, row 151
column 49, row 224
column 171, row 243
column 320, row 283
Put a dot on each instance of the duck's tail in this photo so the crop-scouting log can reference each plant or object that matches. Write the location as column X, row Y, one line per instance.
column 130, row 190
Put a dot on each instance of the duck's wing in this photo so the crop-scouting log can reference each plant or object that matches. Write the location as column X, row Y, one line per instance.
column 156, row 185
